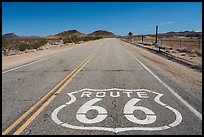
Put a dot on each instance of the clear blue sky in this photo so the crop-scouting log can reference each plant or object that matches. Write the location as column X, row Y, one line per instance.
column 49, row 18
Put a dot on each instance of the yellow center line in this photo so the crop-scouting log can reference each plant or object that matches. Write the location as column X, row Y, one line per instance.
column 51, row 98
column 34, row 106
column 41, row 100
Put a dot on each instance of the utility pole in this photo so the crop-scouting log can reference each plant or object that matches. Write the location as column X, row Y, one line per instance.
column 142, row 38
column 156, row 35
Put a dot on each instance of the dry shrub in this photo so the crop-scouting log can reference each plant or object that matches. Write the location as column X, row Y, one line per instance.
column 199, row 52
column 23, row 43
column 183, row 54
column 184, row 49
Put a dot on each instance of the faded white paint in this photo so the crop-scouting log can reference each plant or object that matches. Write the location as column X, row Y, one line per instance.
column 102, row 113
column 33, row 62
column 128, row 110
column 198, row 114
column 130, row 107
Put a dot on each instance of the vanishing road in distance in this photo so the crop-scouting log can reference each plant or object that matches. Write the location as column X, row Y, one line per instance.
column 102, row 87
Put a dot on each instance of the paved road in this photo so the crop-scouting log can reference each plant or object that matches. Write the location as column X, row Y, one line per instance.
column 104, row 89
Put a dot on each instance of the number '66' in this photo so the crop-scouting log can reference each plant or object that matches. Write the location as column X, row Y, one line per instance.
column 129, row 108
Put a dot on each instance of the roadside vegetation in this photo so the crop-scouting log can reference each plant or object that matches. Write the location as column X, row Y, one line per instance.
column 189, row 44
column 13, row 46
column 22, row 43
column 77, row 39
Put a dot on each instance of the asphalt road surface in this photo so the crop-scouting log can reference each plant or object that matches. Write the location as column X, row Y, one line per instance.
column 101, row 87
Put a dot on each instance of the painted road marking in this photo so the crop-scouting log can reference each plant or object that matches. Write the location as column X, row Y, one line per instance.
column 140, row 94
column 129, row 107
column 198, row 114
column 102, row 112
column 22, row 128
column 33, row 62
column 36, row 105
column 69, row 76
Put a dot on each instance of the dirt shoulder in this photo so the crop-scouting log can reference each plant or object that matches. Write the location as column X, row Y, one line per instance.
column 190, row 60
column 176, row 72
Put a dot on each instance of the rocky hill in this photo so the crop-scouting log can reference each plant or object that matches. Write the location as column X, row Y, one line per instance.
column 10, row 35
column 69, row 33
column 102, row 33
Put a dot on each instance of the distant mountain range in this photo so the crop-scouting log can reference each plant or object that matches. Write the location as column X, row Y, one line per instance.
column 182, row 32
column 102, row 33
column 69, row 33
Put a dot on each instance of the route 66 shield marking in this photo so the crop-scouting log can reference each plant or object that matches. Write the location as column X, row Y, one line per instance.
column 132, row 102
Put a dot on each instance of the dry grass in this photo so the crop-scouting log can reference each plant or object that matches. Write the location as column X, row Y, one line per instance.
column 23, row 43
column 184, row 44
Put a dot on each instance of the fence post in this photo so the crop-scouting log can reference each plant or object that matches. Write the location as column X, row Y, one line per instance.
column 199, row 43
column 161, row 40
column 180, row 42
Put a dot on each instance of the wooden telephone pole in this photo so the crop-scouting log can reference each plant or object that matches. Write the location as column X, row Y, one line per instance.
column 156, row 35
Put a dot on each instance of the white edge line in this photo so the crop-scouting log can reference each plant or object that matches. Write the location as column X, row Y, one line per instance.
column 60, row 52
column 198, row 114
column 31, row 63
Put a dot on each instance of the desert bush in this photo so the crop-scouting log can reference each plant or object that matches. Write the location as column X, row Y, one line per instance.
column 97, row 37
column 183, row 49
column 75, row 39
column 30, row 44
column 169, row 48
column 5, row 43
column 192, row 55
column 67, row 40
column 167, row 51
column 22, row 46
column 183, row 54
column 39, row 43
column 173, row 51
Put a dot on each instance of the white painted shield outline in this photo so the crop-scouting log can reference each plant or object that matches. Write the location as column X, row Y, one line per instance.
column 156, row 99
